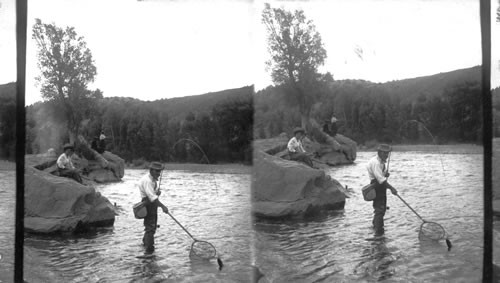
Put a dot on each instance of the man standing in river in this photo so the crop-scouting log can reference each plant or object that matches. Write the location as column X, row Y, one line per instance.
column 378, row 174
column 150, row 191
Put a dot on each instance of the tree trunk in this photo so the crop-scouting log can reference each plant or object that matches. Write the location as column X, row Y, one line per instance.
column 304, row 121
column 89, row 152
column 72, row 137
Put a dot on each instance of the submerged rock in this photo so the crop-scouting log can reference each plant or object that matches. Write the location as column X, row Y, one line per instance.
column 59, row 204
column 283, row 188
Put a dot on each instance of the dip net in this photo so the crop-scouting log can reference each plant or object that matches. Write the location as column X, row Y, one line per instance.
column 432, row 230
column 203, row 250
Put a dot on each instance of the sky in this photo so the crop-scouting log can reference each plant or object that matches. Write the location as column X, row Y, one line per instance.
column 399, row 39
column 7, row 41
column 156, row 49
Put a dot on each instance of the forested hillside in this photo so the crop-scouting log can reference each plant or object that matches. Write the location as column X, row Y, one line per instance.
column 220, row 123
column 447, row 104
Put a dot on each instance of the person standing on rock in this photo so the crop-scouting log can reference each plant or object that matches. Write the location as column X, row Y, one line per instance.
column 65, row 166
column 150, row 191
column 296, row 150
column 377, row 172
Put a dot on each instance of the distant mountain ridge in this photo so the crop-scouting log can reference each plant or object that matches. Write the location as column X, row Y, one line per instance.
column 433, row 84
column 180, row 107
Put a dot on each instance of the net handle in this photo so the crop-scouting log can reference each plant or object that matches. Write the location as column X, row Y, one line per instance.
column 181, row 226
column 387, row 171
column 410, row 208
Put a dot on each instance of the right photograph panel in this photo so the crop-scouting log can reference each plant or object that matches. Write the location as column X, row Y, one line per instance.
column 368, row 157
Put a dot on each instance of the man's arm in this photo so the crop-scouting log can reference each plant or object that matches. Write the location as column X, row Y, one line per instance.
column 377, row 172
column 393, row 190
column 153, row 197
column 160, row 204
column 291, row 145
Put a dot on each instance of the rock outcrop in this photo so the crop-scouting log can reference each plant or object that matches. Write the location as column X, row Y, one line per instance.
column 113, row 172
column 57, row 204
column 283, row 188
column 109, row 168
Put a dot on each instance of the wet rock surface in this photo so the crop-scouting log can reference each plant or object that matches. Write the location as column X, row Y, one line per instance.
column 284, row 188
column 59, row 204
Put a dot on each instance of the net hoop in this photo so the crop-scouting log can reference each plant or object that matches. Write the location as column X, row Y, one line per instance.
column 203, row 249
column 431, row 230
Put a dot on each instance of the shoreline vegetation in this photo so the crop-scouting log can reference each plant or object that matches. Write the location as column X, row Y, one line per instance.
column 226, row 168
column 465, row 148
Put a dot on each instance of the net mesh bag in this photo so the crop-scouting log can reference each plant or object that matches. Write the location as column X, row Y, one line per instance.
column 203, row 249
column 432, row 230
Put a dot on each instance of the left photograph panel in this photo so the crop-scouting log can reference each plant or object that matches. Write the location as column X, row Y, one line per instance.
column 139, row 119
column 7, row 138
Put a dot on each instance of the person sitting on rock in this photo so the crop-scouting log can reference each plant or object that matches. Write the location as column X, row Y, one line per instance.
column 102, row 142
column 98, row 144
column 296, row 150
column 65, row 166
column 330, row 128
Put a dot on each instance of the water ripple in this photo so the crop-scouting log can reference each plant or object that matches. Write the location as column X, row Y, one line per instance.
column 213, row 207
column 340, row 247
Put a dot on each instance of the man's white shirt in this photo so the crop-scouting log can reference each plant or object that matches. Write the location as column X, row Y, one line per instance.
column 147, row 186
column 64, row 162
column 375, row 169
column 295, row 145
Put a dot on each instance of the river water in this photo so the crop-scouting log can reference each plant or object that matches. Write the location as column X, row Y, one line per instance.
column 7, row 224
column 340, row 247
column 213, row 207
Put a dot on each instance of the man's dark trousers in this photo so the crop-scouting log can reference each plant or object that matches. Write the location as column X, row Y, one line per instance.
column 150, row 222
column 379, row 207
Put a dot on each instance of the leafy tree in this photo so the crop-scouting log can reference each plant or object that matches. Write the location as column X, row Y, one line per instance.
column 66, row 68
column 498, row 12
column 465, row 104
column 296, row 53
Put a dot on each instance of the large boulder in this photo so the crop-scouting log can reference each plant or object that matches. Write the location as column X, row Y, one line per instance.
column 57, row 204
column 283, row 188
column 112, row 171
column 329, row 152
column 105, row 168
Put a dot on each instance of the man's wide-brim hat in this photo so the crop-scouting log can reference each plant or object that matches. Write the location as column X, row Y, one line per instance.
column 384, row 148
column 68, row 146
column 299, row 130
column 156, row 166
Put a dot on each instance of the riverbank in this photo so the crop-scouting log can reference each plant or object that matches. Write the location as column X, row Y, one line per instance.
column 444, row 148
column 201, row 168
